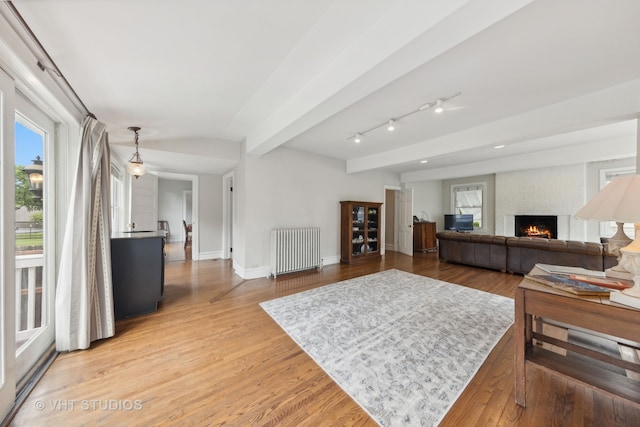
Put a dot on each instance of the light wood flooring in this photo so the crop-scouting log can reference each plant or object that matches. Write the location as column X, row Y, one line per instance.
column 212, row 356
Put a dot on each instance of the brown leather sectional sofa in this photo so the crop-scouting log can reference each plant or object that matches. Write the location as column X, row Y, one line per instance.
column 520, row 254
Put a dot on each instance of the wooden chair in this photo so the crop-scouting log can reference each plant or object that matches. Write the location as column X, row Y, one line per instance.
column 164, row 226
column 187, row 234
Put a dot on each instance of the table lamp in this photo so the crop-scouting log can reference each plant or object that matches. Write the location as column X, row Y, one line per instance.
column 619, row 201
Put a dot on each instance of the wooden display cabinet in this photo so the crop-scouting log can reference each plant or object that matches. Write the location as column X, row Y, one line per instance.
column 360, row 231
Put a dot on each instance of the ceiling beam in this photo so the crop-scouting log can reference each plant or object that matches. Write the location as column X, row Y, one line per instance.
column 617, row 103
column 410, row 36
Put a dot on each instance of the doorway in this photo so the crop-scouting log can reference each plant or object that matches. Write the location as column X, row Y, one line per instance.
column 35, row 234
column 398, row 222
column 178, row 201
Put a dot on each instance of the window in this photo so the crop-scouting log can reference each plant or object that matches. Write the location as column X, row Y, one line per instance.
column 609, row 228
column 468, row 199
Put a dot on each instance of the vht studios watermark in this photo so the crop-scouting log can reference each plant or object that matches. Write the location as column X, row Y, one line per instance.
column 88, row 405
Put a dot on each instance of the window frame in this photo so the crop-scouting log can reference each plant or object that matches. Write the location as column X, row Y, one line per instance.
column 482, row 186
column 609, row 228
column 117, row 198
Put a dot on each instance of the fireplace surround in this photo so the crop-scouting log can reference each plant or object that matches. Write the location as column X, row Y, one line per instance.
column 544, row 226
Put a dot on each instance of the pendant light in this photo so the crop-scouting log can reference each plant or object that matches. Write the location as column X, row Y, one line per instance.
column 135, row 166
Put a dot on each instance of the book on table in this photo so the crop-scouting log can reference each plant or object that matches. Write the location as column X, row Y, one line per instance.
column 605, row 283
column 624, row 299
column 565, row 270
column 577, row 280
column 564, row 283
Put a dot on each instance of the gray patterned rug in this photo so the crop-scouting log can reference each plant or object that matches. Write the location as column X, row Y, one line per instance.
column 401, row 345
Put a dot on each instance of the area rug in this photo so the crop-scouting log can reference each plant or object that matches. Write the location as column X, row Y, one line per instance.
column 401, row 345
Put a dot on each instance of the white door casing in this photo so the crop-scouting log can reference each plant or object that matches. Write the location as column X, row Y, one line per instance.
column 143, row 203
column 405, row 222
column 7, row 246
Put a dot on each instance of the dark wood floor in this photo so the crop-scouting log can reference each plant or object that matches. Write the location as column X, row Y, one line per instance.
column 212, row 356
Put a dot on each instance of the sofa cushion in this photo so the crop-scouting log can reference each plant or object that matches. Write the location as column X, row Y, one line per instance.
column 478, row 250
column 523, row 253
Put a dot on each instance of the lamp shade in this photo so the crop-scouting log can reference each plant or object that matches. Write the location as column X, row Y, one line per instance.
column 618, row 201
column 136, row 169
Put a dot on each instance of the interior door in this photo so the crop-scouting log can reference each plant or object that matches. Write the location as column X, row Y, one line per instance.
column 143, row 203
column 405, row 222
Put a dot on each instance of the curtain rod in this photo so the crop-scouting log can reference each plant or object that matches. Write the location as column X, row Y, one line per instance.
column 52, row 67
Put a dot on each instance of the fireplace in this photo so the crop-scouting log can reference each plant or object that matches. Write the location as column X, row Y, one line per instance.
column 544, row 226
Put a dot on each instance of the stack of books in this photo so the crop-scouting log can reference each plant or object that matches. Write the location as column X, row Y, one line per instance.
column 622, row 298
column 578, row 281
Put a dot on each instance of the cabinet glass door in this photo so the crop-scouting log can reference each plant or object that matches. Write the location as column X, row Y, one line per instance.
column 373, row 226
column 358, row 234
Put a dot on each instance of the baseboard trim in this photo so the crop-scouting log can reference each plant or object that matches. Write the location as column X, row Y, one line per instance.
column 334, row 259
column 210, row 255
column 265, row 271
column 251, row 273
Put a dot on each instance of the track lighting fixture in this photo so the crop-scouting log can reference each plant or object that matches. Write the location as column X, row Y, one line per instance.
column 390, row 124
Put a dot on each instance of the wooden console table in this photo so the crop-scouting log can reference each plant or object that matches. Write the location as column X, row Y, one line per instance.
column 424, row 236
column 598, row 370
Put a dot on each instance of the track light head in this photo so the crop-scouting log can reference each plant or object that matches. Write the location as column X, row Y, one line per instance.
column 439, row 108
column 358, row 138
column 391, row 125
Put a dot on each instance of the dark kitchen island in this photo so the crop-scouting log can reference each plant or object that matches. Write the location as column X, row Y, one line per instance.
column 137, row 266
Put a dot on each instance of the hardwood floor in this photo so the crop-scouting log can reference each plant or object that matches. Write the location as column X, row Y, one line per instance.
column 212, row 356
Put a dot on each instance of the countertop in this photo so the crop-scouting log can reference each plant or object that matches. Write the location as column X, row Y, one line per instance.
column 137, row 234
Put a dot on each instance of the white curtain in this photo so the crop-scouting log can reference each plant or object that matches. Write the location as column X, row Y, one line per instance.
column 84, row 296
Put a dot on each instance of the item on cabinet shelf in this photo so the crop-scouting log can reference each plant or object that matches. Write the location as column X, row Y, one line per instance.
column 369, row 249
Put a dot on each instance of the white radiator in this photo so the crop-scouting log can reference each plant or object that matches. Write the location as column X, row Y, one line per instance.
column 295, row 249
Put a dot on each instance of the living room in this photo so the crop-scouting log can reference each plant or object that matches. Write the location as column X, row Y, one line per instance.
column 539, row 115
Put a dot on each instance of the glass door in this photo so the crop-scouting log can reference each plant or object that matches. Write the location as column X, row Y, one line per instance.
column 373, row 227
column 34, row 248
column 358, row 231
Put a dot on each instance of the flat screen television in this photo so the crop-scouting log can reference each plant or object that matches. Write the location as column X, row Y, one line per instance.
column 458, row 222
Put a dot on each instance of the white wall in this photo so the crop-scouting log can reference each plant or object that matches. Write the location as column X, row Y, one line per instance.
column 427, row 201
column 210, row 216
column 290, row 188
column 170, row 205
column 545, row 191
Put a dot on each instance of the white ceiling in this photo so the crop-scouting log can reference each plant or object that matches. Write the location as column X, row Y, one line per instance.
column 555, row 82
